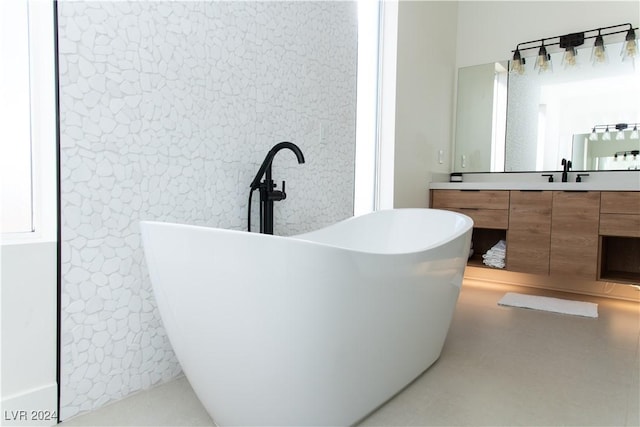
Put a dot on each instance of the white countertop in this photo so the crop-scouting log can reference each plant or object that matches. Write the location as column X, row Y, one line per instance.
column 596, row 181
column 549, row 186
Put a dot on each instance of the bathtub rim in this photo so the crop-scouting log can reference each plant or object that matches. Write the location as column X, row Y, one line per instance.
column 297, row 237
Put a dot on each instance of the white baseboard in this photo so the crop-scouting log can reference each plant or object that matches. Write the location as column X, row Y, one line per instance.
column 36, row 407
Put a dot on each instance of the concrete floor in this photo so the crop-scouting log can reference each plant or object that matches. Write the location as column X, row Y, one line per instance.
column 499, row 366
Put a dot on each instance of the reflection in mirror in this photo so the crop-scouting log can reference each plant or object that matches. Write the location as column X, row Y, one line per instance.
column 544, row 111
column 481, row 118
column 620, row 152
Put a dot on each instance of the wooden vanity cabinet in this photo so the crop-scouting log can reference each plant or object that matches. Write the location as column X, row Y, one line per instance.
column 574, row 234
column 592, row 235
column 529, row 232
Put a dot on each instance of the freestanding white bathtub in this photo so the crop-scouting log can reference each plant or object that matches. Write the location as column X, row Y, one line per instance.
column 315, row 329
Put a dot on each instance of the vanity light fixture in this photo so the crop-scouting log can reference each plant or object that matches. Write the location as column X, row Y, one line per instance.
column 619, row 127
column 624, row 154
column 569, row 42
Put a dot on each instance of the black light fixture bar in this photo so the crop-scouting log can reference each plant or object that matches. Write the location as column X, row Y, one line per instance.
column 616, row 126
column 568, row 40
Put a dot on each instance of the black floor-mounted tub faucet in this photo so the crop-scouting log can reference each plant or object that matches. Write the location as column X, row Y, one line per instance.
column 268, row 193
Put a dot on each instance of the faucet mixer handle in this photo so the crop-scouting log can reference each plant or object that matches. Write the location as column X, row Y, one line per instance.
column 277, row 195
column 580, row 175
column 550, row 175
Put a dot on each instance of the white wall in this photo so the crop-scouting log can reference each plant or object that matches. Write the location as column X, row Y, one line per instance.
column 29, row 317
column 424, row 97
column 167, row 111
column 488, row 31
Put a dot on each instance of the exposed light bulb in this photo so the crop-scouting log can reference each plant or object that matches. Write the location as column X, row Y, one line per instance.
column 634, row 133
column 517, row 64
column 598, row 54
column 606, row 136
column 594, row 135
column 631, row 49
column 630, row 46
column 569, row 57
column 543, row 62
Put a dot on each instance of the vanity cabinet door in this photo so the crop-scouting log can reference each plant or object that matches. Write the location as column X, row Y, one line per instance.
column 529, row 233
column 574, row 234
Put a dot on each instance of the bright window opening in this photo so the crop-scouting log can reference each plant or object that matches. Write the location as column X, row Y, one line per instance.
column 367, row 106
column 15, row 142
column 28, row 183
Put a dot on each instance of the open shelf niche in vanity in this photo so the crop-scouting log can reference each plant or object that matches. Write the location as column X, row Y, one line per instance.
column 619, row 237
column 558, row 233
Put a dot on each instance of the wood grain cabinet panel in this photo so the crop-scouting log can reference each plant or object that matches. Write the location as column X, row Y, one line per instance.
column 623, row 225
column 483, row 199
column 574, row 234
column 529, row 234
column 620, row 202
column 487, row 208
column 486, row 218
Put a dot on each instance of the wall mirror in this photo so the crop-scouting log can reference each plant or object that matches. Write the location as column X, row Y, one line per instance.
column 508, row 122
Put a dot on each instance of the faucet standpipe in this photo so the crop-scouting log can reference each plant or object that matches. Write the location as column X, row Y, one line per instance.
column 566, row 165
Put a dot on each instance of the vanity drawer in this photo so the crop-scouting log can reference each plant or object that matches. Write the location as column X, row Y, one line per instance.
column 623, row 225
column 620, row 202
column 486, row 218
column 482, row 199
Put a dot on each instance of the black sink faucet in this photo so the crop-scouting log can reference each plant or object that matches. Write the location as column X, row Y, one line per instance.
column 268, row 194
column 566, row 165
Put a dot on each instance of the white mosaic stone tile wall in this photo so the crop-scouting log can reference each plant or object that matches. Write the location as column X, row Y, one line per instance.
column 167, row 111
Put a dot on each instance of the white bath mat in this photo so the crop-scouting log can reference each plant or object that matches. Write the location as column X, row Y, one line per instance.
column 556, row 305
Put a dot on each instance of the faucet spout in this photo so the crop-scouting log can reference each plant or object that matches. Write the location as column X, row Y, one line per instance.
column 266, row 164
